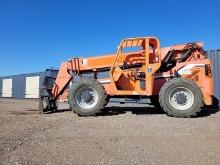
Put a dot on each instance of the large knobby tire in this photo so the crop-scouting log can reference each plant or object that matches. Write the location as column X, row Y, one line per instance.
column 181, row 98
column 87, row 97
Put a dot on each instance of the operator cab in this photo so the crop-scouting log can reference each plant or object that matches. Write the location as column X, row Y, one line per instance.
column 138, row 66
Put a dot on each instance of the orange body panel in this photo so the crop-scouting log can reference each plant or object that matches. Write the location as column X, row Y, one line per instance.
column 124, row 81
column 62, row 80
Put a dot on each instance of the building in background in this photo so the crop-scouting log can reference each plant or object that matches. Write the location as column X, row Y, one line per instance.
column 214, row 55
column 21, row 86
column 28, row 85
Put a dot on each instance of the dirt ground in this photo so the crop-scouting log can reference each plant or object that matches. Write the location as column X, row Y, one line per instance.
column 136, row 135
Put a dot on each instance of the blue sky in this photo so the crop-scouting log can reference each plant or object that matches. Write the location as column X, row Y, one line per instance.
column 37, row 34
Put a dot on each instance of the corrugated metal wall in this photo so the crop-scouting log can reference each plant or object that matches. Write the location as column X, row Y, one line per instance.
column 0, row 87
column 18, row 87
column 214, row 55
column 19, row 83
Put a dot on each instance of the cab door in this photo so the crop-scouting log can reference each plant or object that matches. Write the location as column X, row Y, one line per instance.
column 153, row 62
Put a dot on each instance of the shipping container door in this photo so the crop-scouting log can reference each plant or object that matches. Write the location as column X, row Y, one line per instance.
column 7, row 88
column 32, row 87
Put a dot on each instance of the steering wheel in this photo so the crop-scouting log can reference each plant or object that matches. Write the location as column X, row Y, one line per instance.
column 125, row 65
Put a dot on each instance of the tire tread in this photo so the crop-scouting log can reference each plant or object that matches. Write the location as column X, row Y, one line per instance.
column 173, row 113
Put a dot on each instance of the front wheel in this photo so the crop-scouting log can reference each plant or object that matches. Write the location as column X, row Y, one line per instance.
column 87, row 97
column 181, row 98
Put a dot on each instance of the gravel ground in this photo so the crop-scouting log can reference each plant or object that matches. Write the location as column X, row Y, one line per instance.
column 124, row 135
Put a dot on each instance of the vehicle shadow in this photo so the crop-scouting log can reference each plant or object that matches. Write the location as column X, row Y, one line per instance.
column 118, row 110
column 208, row 111
column 110, row 111
column 58, row 111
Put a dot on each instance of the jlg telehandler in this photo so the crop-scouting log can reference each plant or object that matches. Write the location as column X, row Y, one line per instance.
column 178, row 78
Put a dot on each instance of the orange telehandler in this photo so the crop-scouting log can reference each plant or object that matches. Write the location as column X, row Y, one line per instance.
column 177, row 78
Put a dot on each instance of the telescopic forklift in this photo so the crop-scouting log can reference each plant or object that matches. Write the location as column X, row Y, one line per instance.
column 177, row 78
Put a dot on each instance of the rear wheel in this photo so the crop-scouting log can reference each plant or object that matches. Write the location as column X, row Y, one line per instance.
column 87, row 97
column 181, row 98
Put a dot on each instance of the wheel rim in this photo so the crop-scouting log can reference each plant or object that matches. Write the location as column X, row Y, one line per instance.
column 87, row 97
column 181, row 98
